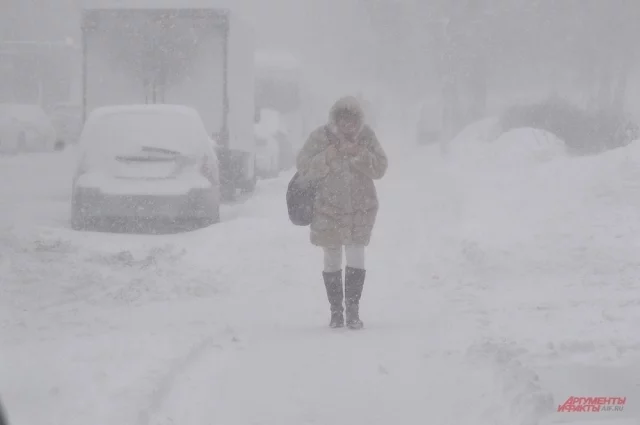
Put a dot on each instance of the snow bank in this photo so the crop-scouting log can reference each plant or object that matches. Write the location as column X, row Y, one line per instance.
column 548, row 245
column 485, row 130
column 527, row 145
column 482, row 143
column 553, row 243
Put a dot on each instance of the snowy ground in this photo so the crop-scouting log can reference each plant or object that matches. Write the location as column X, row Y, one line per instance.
column 483, row 269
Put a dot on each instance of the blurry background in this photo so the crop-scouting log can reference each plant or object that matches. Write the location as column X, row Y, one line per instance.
column 472, row 56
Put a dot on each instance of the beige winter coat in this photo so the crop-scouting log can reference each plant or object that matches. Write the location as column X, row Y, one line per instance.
column 346, row 203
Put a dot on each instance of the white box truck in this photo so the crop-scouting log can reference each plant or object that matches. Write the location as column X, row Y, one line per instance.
column 185, row 52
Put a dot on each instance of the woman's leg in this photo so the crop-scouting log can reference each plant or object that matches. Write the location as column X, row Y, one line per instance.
column 355, row 256
column 332, row 259
column 333, row 282
column 353, row 284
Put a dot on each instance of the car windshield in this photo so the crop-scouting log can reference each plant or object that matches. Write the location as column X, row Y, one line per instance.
column 142, row 133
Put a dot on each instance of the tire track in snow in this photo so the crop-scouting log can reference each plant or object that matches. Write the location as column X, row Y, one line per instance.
column 179, row 367
column 338, row 377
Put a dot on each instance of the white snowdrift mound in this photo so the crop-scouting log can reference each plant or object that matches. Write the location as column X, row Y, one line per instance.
column 482, row 142
column 485, row 130
column 525, row 195
column 480, row 272
column 528, row 145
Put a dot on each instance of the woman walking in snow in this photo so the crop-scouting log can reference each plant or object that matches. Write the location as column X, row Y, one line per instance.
column 345, row 157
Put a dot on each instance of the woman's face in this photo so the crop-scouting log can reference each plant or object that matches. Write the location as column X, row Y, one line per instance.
column 348, row 123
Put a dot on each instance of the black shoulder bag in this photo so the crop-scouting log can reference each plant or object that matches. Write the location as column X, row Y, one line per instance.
column 301, row 195
column 300, row 198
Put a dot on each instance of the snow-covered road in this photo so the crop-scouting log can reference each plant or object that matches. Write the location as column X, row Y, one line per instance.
column 480, row 272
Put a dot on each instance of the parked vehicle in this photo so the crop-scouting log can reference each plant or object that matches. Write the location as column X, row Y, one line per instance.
column 26, row 128
column 181, row 52
column 67, row 120
column 145, row 162
column 267, row 156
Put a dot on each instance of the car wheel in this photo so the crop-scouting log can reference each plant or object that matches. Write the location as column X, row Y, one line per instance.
column 201, row 223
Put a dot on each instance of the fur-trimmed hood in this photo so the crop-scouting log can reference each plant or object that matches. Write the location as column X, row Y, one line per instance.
column 350, row 104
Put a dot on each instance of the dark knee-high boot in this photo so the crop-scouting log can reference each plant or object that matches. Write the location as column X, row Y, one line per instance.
column 353, row 284
column 333, row 284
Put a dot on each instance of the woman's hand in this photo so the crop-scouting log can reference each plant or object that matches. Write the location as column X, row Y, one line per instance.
column 331, row 153
column 352, row 149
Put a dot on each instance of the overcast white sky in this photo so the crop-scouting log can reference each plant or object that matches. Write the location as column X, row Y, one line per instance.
column 331, row 35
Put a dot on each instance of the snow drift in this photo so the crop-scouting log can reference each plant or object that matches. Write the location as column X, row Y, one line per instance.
column 483, row 142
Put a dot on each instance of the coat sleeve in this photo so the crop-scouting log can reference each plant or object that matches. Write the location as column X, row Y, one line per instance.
column 371, row 161
column 312, row 160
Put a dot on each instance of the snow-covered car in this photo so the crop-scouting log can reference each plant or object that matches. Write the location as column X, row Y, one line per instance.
column 67, row 120
column 26, row 128
column 267, row 156
column 145, row 162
